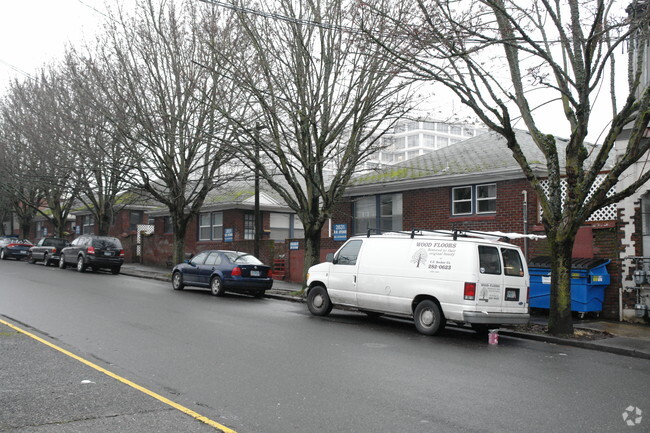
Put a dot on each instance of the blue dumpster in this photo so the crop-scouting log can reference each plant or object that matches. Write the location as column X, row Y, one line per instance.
column 589, row 278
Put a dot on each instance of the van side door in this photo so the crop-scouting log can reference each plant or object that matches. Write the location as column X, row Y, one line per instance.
column 342, row 285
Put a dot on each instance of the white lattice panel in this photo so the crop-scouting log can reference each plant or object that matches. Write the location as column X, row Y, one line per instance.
column 142, row 229
column 605, row 214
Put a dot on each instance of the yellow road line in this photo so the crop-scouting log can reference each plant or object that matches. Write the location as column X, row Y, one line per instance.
column 159, row 397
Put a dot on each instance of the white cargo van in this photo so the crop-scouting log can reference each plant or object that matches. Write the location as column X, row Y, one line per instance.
column 430, row 277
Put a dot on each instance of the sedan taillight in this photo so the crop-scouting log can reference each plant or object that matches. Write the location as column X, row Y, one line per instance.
column 236, row 271
column 121, row 253
column 91, row 250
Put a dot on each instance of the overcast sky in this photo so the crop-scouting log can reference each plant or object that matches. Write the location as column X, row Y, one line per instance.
column 35, row 32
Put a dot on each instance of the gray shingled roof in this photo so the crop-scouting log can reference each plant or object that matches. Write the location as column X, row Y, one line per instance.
column 484, row 153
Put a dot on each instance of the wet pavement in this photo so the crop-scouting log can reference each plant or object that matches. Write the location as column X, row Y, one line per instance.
column 623, row 339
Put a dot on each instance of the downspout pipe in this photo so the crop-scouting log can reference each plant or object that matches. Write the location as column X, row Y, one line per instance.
column 525, row 214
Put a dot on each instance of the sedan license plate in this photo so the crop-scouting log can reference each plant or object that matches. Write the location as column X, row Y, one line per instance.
column 108, row 253
column 23, row 252
column 255, row 273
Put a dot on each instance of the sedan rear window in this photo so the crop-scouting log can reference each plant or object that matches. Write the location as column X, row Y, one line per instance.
column 104, row 243
column 58, row 243
column 242, row 258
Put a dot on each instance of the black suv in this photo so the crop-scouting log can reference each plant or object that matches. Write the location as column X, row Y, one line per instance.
column 94, row 252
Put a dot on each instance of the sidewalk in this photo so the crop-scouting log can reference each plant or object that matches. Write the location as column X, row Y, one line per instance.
column 626, row 338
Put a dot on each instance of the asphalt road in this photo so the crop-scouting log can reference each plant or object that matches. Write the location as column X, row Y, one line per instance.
column 268, row 366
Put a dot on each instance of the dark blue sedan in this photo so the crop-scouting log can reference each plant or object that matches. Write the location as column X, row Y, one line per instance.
column 14, row 248
column 224, row 271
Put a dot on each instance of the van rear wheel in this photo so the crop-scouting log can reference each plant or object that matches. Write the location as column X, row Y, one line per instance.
column 428, row 318
column 318, row 301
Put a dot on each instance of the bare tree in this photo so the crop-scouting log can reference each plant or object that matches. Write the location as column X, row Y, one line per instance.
column 104, row 169
column 155, row 63
column 319, row 97
column 31, row 154
column 507, row 60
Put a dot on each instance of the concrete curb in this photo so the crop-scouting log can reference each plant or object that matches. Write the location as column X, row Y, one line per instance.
column 149, row 277
column 590, row 345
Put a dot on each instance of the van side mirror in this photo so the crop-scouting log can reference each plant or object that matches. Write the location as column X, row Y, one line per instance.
column 329, row 257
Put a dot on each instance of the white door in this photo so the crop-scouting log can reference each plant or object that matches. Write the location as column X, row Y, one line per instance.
column 343, row 274
column 489, row 290
column 514, row 281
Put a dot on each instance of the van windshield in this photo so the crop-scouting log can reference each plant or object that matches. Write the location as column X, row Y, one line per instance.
column 348, row 254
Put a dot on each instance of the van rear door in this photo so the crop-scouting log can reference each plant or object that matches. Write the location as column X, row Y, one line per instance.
column 489, row 290
column 514, row 281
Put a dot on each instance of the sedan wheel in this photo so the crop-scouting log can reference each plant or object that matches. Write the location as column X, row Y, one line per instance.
column 46, row 260
column 177, row 281
column 3, row 255
column 81, row 266
column 216, row 286
column 62, row 264
column 30, row 258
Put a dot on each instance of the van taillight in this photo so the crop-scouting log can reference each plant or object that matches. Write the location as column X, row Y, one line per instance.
column 91, row 250
column 470, row 291
column 236, row 271
column 527, row 295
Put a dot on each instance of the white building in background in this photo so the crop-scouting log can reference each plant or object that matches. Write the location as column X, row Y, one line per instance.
column 411, row 138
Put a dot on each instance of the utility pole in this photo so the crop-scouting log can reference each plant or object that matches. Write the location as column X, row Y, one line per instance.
column 256, row 211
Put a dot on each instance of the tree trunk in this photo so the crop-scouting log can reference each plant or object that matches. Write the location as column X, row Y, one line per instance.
column 180, row 230
column 104, row 219
column 25, row 225
column 560, row 321
column 312, row 251
column 58, row 223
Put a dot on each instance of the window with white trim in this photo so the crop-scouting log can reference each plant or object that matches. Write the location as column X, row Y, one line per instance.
column 645, row 221
column 211, row 226
column 249, row 226
column 474, row 199
column 461, row 200
column 87, row 224
column 486, row 198
column 285, row 226
column 204, row 227
column 217, row 226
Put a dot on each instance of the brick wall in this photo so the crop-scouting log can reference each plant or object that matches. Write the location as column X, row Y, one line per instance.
column 430, row 209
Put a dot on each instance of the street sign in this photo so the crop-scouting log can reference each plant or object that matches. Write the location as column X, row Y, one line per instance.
column 340, row 232
column 228, row 235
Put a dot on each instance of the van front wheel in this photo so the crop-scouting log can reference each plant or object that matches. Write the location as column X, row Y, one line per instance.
column 318, row 301
column 428, row 318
